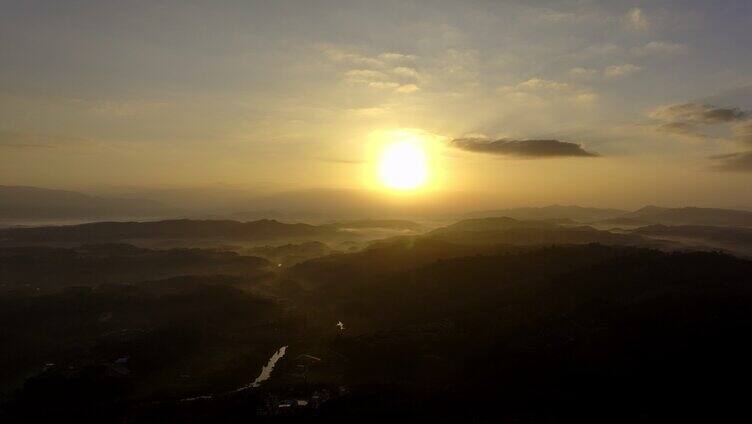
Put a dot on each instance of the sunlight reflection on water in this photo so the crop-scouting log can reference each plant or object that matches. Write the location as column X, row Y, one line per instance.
column 266, row 372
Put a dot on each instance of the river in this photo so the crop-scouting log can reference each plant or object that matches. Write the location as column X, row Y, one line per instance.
column 266, row 372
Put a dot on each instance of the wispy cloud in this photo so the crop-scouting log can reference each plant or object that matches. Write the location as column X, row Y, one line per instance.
column 386, row 71
column 659, row 48
column 538, row 89
column 736, row 162
column 698, row 113
column 637, row 19
column 618, row 71
column 580, row 72
column 542, row 84
column 687, row 120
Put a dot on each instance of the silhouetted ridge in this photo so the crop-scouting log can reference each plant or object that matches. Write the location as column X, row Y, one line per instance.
column 504, row 230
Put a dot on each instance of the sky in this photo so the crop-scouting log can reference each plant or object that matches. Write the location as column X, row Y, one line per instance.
column 603, row 103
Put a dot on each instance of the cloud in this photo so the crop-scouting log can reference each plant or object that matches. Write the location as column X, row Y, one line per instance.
column 742, row 131
column 699, row 114
column 405, row 71
column 364, row 75
column 685, row 130
column 740, row 96
column 553, row 16
column 602, row 49
column 582, row 72
column 395, row 57
column 384, row 85
column 338, row 55
column 522, row 148
column 659, row 48
column 381, row 60
column 618, row 71
column 542, row 91
column 636, row 19
column 585, row 98
column 386, row 71
column 677, row 127
column 688, row 120
column 736, row 162
column 377, row 80
column 407, row 88
column 541, row 84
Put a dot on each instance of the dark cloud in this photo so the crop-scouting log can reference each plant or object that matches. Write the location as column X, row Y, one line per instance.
column 739, row 162
column 686, row 119
column 677, row 127
column 522, row 148
column 724, row 115
column 683, row 129
column 699, row 113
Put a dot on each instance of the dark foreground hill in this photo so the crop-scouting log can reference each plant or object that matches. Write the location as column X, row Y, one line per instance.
column 464, row 324
column 35, row 269
column 561, row 334
column 87, row 353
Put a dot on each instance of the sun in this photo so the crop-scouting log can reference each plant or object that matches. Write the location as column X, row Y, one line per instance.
column 403, row 166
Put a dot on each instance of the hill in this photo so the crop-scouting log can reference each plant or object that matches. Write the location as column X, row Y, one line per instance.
column 38, row 269
column 736, row 239
column 483, row 236
column 187, row 229
column 529, row 334
column 506, row 230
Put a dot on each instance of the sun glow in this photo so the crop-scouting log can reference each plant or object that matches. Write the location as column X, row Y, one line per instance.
column 403, row 166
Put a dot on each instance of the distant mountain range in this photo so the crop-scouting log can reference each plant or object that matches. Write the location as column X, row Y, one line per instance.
column 553, row 212
column 390, row 224
column 187, row 229
column 510, row 231
column 647, row 215
column 691, row 216
column 32, row 203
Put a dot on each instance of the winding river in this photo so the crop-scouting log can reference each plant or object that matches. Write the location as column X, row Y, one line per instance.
column 266, row 372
